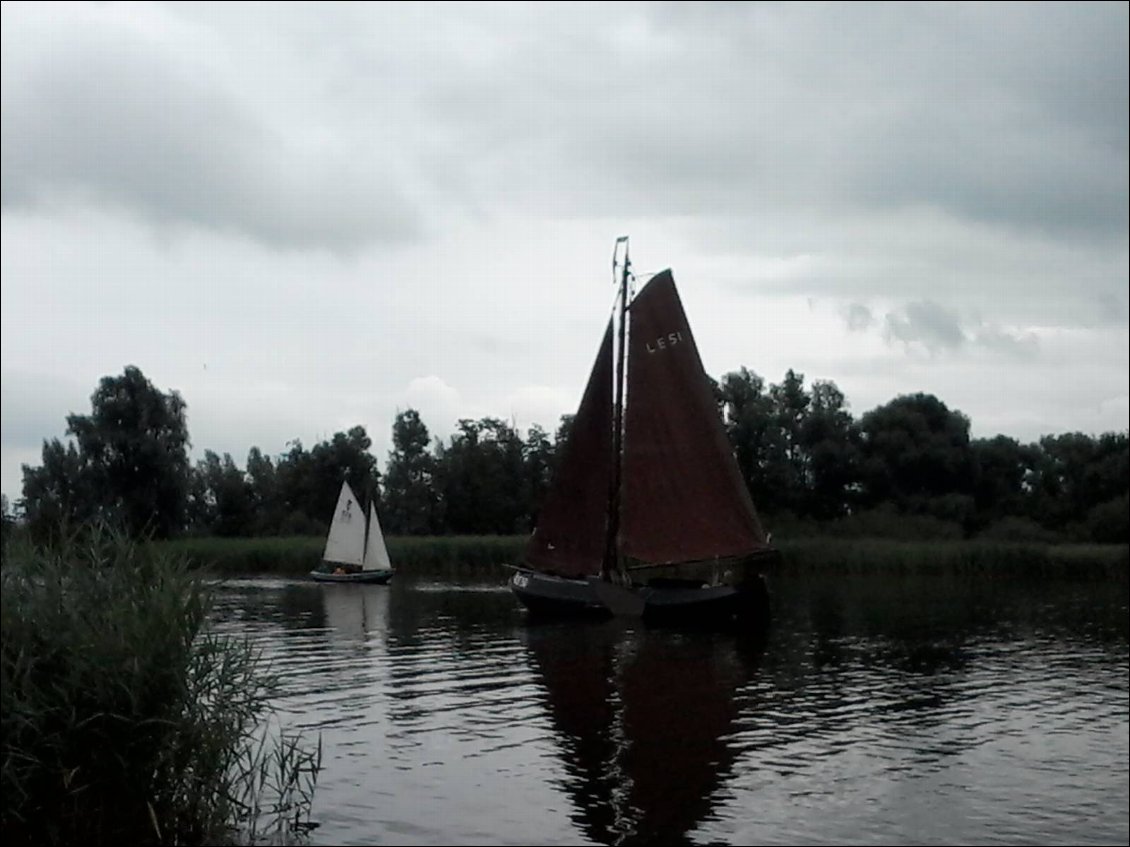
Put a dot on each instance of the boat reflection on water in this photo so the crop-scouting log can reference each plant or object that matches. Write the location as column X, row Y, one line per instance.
column 356, row 613
column 644, row 717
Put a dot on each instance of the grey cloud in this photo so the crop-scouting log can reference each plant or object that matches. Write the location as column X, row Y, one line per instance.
column 1010, row 115
column 1021, row 346
column 925, row 323
column 102, row 116
column 858, row 317
column 1112, row 306
column 937, row 329
column 1016, row 118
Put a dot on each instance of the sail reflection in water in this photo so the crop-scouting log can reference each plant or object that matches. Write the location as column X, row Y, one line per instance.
column 356, row 613
column 643, row 717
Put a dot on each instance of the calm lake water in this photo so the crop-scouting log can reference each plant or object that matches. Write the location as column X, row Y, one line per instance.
column 878, row 710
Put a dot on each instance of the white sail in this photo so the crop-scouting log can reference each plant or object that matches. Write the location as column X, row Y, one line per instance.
column 376, row 555
column 346, row 541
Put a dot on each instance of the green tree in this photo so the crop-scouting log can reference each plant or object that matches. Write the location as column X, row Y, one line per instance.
column 798, row 451
column 1002, row 472
column 748, row 418
column 916, row 455
column 57, row 494
column 222, row 497
column 266, row 502
column 409, row 499
column 129, row 466
column 1074, row 473
column 481, row 480
column 7, row 520
column 345, row 457
column 539, row 456
column 787, row 466
column 831, row 443
column 1109, row 522
column 308, row 482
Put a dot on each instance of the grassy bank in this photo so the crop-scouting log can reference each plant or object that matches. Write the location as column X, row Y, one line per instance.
column 125, row 719
column 970, row 558
column 454, row 556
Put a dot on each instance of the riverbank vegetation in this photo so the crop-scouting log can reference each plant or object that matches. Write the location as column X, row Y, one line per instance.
column 450, row 555
column 126, row 720
column 906, row 470
column 486, row 557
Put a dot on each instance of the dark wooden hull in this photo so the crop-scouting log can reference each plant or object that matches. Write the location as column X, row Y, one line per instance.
column 378, row 577
column 548, row 595
column 663, row 601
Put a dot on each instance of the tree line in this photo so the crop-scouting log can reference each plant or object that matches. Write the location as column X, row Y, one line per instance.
column 909, row 466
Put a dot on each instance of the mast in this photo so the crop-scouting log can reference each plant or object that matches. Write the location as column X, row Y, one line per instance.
column 612, row 564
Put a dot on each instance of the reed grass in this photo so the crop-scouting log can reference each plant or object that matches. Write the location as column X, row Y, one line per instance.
column 966, row 557
column 125, row 718
column 484, row 556
column 451, row 555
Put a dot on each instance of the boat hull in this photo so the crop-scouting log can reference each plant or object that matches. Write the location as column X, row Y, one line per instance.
column 545, row 594
column 370, row 577
column 661, row 602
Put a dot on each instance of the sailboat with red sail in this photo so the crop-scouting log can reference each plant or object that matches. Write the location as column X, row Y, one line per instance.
column 648, row 514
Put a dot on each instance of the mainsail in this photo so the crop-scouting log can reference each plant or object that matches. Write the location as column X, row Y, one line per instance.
column 346, row 541
column 683, row 495
column 570, row 536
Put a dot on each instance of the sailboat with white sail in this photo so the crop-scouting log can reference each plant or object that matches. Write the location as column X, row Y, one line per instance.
column 355, row 547
column 648, row 514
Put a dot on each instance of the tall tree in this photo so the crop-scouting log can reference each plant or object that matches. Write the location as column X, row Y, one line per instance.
column 345, row 457
column 409, row 498
column 130, row 466
column 916, row 455
column 480, row 478
column 830, row 440
column 749, row 424
column 1076, row 473
column 1003, row 471
column 221, row 497
column 788, row 464
column 539, row 455
column 262, row 478
column 309, row 481
column 58, row 494
column 7, row 522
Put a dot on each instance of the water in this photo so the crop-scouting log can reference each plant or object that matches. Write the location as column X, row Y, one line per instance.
column 879, row 710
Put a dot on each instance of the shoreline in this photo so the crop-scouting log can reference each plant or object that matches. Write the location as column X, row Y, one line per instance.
column 488, row 555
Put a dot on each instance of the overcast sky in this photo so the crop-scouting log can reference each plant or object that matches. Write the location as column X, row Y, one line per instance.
column 306, row 217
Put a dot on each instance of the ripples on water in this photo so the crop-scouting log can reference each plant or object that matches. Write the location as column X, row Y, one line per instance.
column 879, row 710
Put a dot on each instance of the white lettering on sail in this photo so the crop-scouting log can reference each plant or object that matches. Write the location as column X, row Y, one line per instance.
column 663, row 342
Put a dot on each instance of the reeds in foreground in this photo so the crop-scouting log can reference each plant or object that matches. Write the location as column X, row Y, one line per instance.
column 125, row 718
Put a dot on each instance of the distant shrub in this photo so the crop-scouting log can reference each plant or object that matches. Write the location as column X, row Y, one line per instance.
column 1109, row 523
column 1019, row 529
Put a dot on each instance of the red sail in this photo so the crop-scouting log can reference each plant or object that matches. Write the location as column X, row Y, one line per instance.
column 570, row 536
column 683, row 495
